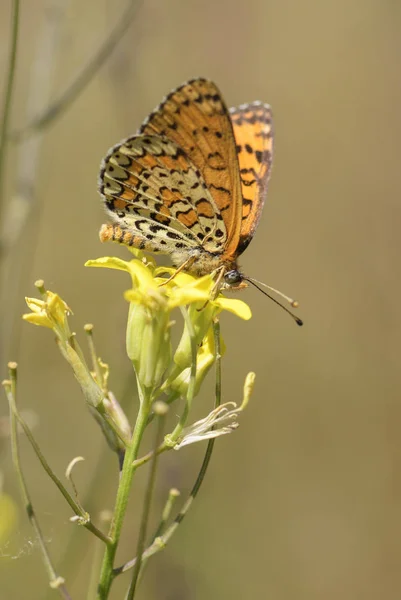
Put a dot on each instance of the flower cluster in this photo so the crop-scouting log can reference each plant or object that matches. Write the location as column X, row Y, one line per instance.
column 155, row 293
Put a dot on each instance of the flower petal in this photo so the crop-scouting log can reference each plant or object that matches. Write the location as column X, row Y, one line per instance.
column 47, row 313
column 235, row 306
column 187, row 295
column 142, row 275
column 108, row 262
column 40, row 319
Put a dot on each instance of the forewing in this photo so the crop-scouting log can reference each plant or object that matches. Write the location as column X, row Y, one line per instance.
column 253, row 133
column 195, row 117
column 152, row 189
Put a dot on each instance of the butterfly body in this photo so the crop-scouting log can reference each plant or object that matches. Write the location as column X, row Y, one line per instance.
column 192, row 182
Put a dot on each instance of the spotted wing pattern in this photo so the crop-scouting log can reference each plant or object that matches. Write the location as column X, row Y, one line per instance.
column 158, row 199
column 253, row 132
column 193, row 182
column 195, row 117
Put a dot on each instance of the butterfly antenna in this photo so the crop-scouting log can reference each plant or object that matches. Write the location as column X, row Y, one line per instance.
column 292, row 302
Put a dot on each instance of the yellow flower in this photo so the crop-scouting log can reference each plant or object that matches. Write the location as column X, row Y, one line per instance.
column 51, row 312
column 152, row 298
column 202, row 313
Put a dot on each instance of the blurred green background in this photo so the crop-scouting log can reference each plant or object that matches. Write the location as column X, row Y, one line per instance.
column 303, row 502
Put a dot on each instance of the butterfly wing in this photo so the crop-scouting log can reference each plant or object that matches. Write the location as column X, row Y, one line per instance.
column 253, row 133
column 195, row 117
column 157, row 198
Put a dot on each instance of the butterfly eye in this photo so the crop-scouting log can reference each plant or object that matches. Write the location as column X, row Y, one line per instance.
column 232, row 277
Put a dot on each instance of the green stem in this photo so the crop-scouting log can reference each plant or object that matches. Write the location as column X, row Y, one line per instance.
column 168, row 507
column 217, row 349
column 78, row 510
column 73, row 552
column 192, row 381
column 95, row 361
column 127, row 473
column 55, row 581
column 91, row 593
column 174, row 436
column 191, row 388
column 9, row 91
column 146, row 509
column 160, row 541
column 144, row 459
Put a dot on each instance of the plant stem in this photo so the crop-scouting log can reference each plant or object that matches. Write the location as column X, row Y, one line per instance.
column 217, row 349
column 78, row 510
column 192, row 381
column 168, row 507
column 127, row 473
column 9, row 91
column 146, row 509
column 161, row 538
column 73, row 552
column 209, row 449
column 55, row 581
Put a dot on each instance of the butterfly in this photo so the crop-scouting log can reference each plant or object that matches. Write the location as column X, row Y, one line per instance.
column 192, row 182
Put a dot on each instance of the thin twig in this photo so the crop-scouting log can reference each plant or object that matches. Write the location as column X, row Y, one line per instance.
column 160, row 410
column 23, row 204
column 210, row 445
column 93, row 354
column 8, row 92
column 75, row 506
column 168, row 507
column 56, row 582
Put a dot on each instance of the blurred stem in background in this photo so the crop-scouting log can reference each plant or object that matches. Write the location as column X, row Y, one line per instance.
column 55, row 581
column 8, row 94
column 77, row 86
column 23, row 205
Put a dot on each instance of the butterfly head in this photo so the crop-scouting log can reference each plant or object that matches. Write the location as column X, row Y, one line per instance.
column 234, row 280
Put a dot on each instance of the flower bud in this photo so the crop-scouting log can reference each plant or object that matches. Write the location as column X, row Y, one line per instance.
column 148, row 341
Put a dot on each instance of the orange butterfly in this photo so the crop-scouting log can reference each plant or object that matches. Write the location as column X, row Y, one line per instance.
column 192, row 182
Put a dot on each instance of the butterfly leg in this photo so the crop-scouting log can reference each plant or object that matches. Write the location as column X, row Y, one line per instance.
column 216, row 288
column 187, row 263
column 217, row 284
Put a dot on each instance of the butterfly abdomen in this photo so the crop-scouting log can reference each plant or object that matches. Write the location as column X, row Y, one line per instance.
column 115, row 233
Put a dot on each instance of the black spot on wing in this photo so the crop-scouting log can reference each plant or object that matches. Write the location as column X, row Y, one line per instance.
column 173, row 236
column 220, row 188
column 248, row 183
